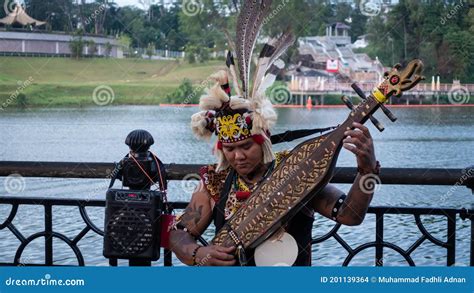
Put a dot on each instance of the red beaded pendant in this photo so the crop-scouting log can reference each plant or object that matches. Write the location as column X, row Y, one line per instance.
column 242, row 195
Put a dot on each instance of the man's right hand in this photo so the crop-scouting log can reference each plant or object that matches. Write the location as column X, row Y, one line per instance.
column 215, row 256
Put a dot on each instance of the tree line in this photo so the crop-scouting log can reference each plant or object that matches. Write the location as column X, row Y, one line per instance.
column 439, row 32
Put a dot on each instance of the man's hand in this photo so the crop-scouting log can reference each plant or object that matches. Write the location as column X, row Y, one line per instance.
column 215, row 256
column 359, row 142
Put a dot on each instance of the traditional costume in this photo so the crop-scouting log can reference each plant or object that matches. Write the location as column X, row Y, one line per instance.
column 254, row 225
column 247, row 114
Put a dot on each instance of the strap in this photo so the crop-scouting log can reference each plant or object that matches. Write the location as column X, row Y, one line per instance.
column 337, row 207
column 219, row 209
column 162, row 183
column 161, row 173
column 116, row 173
column 291, row 135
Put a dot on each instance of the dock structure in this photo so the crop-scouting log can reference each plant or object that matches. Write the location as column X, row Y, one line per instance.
column 302, row 90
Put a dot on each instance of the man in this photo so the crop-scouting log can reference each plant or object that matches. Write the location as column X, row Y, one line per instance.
column 244, row 153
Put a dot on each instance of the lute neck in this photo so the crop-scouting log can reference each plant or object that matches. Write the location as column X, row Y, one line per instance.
column 359, row 114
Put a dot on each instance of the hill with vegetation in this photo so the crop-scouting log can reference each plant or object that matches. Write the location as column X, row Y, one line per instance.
column 69, row 82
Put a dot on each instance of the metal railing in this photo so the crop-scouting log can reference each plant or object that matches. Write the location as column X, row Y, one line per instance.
column 178, row 172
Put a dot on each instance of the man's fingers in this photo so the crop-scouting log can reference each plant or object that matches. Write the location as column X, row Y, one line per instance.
column 222, row 256
column 356, row 133
column 354, row 141
column 351, row 148
column 363, row 128
column 229, row 250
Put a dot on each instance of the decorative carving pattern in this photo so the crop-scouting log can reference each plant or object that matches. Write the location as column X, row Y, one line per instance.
column 284, row 190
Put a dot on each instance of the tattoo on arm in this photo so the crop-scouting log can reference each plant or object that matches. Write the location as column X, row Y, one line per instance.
column 192, row 216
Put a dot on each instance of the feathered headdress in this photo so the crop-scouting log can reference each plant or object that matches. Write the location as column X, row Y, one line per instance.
column 248, row 114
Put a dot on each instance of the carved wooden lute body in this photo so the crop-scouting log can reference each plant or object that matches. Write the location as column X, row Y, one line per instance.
column 306, row 171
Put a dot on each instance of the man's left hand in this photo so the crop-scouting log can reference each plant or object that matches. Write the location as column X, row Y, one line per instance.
column 359, row 141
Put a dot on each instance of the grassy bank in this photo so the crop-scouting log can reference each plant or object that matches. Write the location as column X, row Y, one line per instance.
column 67, row 82
column 59, row 82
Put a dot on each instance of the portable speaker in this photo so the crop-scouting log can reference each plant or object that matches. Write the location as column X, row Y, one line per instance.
column 132, row 224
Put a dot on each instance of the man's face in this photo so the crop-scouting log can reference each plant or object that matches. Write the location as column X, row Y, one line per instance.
column 244, row 156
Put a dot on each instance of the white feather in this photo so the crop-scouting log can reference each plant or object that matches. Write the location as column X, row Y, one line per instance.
column 269, row 79
column 239, row 103
column 214, row 99
column 199, row 124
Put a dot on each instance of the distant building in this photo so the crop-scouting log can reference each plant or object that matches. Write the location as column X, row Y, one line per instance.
column 53, row 44
column 330, row 58
column 39, row 43
column 361, row 42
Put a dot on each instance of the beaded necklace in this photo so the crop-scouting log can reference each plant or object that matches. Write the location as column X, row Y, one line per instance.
column 243, row 190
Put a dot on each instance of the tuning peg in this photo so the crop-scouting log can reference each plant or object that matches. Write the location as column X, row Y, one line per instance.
column 347, row 102
column 389, row 114
column 359, row 91
column 386, row 111
column 376, row 123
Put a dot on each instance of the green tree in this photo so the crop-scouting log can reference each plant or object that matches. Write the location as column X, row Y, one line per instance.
column 125, row 42
column 185, row 94
column 76, row 45
column 460, row 55
column 92, row 48
column 438, row 32
column 150, row 50
column 108, row 49
column 58, row 13
column 197, row 54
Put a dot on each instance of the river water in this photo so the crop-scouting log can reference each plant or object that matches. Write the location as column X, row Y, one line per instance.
column 421, row 138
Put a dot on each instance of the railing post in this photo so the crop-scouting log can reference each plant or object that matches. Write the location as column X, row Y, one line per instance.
column 48, row 227
column 472, row 243
column 451, row 254
column 467, row 214
column 168, row 262
column 379, row 239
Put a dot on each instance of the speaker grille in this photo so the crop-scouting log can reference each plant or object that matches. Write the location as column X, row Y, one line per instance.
column 131, row 230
